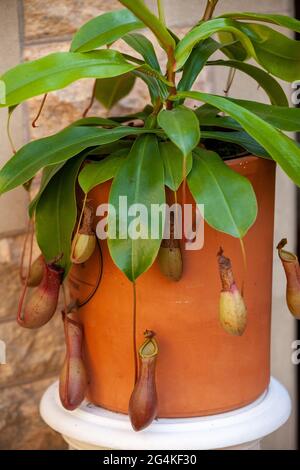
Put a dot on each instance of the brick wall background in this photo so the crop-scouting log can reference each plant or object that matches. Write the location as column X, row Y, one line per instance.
column 30, row 29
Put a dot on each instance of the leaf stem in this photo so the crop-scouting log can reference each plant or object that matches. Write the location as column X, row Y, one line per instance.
column 161, row 11
column 171, row 75
column 209, row 10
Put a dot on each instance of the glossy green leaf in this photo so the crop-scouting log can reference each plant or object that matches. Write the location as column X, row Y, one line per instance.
column 141, row 180
column 58, row 70
column 174, row 164
column 240, row 138
column 144, row 47
column 109, row 91
column 232, row 47
column 95, row 173
column 206, row 111
column 104, row 29
column 139, row 8
column 266, row 82
column 196, row 62
column 284, row 118
column 220, row 121
column 56, row 214
column 275, row 52
column 56, row 149
column 281, row 148
column 229, row 200
column 206, row 30
column 181, row 126
column 280, row 20
column 48, row 173
column 95, row 121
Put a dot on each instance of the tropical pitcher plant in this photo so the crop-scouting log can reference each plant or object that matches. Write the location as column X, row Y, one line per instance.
column 164, row 147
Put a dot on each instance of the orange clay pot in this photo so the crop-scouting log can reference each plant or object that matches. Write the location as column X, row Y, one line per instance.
column 201, row 369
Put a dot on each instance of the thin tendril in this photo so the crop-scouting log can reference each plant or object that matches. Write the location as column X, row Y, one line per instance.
column 79, row 223
column 85, row 112
column 39, row 111
column 21, row 301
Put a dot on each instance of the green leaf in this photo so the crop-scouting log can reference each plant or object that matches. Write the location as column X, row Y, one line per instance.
column 109, row 91
column 229, row 200
column 156, row 91
column 182, row 127
column 144, row 47
column 204, row 31
column 48, row 173
column 56, row 149
column 141, row 180
column 196, row 62
column 206, row 111
column 174, row 163
column 240, row 138
column 220, row 121
column 275, row 52
column 56, row 214
column 267, row 83
column 281, row 148
column 104, row 29
column 139, row 8
column 281, row 20
column 232, row 47
column 95, row 121
column 284, row 118
column 58, row 70
column 95, row 173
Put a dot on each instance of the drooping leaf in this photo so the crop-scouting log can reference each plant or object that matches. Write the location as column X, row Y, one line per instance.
column 267, row 83
column 105, row 29
column 196, row 62
column 109, row 91
column 280, row 20
column 48, row 173
column 144, row 47
column 220, row 121
column 95, row 173
column 229, row 200
column 95, row 121
column 56, row 213
column 280, row 147
column 206, row 111
column 58, row 70
column 174, row 164
column 139, row 8
column 56, row 149
column 275, row 52
column 156, row 89
column 181, row 126
column 206, row 30
column 232, row 47
column 141, row 180
column 284, row 118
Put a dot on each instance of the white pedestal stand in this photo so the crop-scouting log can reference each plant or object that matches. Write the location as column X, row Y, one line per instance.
column 93, row 428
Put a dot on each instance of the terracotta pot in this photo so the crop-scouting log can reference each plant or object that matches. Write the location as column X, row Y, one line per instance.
column 201, row 369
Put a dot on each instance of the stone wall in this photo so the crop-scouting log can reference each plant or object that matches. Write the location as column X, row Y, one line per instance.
column 34, row 358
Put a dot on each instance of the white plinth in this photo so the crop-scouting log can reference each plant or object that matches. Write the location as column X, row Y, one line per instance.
column 91, row 427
